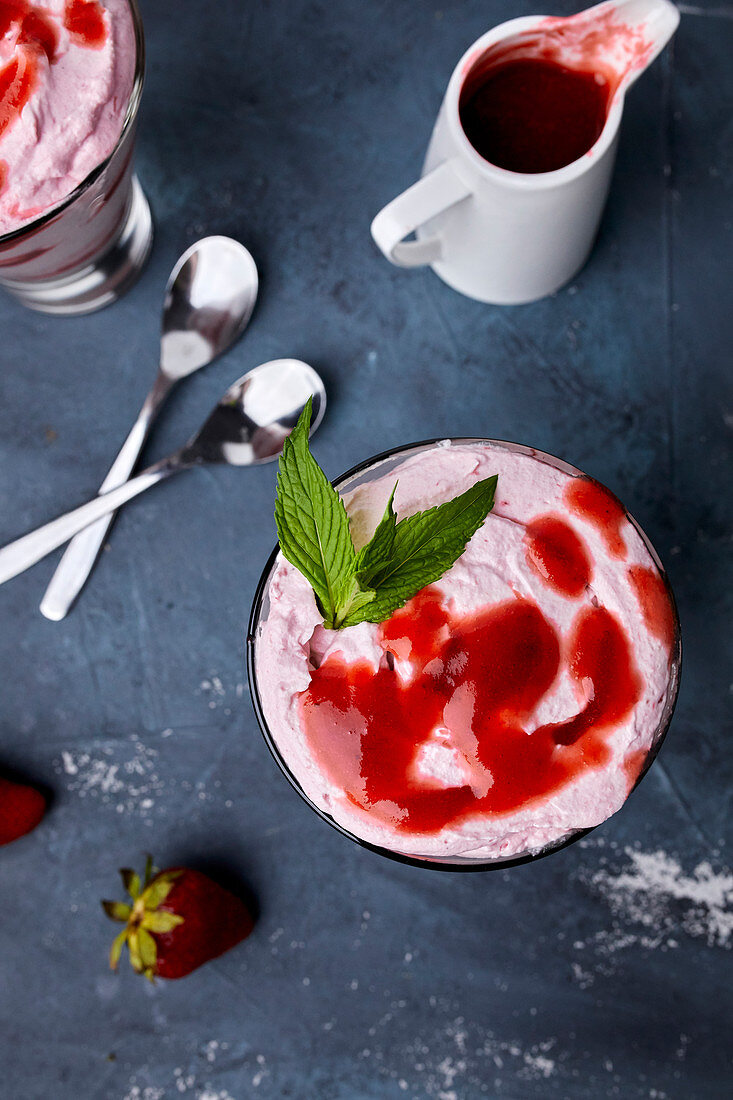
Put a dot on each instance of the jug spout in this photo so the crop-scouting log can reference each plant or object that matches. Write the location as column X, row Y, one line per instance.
column 626, row 35
column 648, row 24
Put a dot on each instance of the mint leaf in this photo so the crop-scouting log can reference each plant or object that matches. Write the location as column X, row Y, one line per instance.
column 353, row 602
column 372, row 558
column 424, row 547
column 312, row 524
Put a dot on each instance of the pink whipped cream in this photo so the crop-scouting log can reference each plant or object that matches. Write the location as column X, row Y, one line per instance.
column 66, row 74
column 557, row 558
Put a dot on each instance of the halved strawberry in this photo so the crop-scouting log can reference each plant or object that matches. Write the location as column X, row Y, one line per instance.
column 21, row 809
column 178, row 920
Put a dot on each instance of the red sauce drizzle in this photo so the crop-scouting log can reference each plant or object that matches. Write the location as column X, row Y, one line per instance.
column 17, row 80
column 597, row 504
column 84, row 20
column 654, row 601
column 599, row 656
column 558, row 555
column 366, row 729
column 38, row 31
column 36, row 36
column 533, row 115
column 415, row 629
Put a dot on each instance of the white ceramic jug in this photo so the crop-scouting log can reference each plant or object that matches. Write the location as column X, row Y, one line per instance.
column 508, row 237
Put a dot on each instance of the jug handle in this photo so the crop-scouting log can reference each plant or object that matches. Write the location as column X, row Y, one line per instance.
column 430, row 196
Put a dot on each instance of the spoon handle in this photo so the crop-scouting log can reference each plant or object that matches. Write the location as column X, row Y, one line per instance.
column 26, row 551
column 73, row 570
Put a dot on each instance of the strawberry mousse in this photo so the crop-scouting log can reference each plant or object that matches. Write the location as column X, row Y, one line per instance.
column 506, row 707
column 66, row 74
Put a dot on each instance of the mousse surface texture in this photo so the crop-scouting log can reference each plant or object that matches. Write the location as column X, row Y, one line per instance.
column 504, row 708
column 66, row 73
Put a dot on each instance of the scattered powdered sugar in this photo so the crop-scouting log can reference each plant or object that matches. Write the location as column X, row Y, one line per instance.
column 212, row 1048
column 654, row 901
column 124, row 774
column 537, row 1065
column 582, row 978
column 121, row 773
column 261, row 1072
column 471, row 1060
column 182, row 1085
column 529, row 1064
column 193, row 1082
column 457, row 1057
column 214, row 691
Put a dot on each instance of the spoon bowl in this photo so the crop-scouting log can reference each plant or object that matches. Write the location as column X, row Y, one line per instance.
column 257, row 414
column 209, row 300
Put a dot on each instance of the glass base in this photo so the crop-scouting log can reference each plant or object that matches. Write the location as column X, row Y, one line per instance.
column 103, row 281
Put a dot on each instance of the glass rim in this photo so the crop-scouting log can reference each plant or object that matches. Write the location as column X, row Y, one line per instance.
column 133, row 105
column 455, row 864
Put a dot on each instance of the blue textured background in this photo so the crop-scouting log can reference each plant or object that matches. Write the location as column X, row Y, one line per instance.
column 288, row 124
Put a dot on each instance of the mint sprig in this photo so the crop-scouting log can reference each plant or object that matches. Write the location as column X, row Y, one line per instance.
column 400, row 559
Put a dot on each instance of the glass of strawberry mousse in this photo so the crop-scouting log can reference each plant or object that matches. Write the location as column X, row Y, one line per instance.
column 504, row 711
column 75, row 226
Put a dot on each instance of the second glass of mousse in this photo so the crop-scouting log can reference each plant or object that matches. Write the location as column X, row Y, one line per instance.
column 75, row 226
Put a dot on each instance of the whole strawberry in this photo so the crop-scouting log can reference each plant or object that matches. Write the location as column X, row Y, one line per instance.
column 21, row 808
column 178, row 920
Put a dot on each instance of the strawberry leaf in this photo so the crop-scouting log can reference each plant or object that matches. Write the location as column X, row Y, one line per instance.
column 159, row 889
column 148, row 950
column 150, row 870
column 133, row 943
column 117, row 910
column 131, row 882
column 161, row 921
column 116, row 949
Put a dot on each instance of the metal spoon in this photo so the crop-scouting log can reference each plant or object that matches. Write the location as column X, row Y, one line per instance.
column 248, row 426
column 209, row 299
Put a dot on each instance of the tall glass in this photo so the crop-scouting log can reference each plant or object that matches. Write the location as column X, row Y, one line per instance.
column 88, row 249
column 369, row 471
